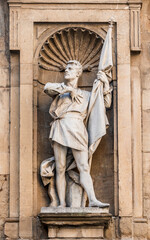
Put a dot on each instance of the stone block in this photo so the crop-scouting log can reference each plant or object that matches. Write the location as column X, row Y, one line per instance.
column 146, row 205
column 146, row 99
column 124, row 140
column 146, row 188
column 4, row 131
column 26, row 150
column 26, row 41
column 75, row 223
column 4, row 77
column 3, row 196
column 15, row 67
column 76, row 232
column 2, row 42
column 148, row 229
column 140, row 230
column 14, row 153
column 126, row 227
column 3, row 60
column 123, row 57
column 3, row 202
column 146, row 132
column 25, row 228
column 145, row 76
column 4, row 106
column 146, row 163
column 11, row 230
column 4, row 163
column 26, row 73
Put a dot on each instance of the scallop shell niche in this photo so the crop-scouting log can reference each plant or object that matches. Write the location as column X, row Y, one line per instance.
column 78, row 44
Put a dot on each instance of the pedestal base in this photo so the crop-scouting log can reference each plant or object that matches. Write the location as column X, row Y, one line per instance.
column 75, row 223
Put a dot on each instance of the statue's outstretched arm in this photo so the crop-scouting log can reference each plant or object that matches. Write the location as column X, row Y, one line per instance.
column 53, row 89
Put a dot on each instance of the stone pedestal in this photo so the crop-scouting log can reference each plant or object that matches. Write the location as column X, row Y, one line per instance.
column 75, row 223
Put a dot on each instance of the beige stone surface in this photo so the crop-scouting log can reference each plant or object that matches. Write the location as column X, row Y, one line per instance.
column 4, row 131
column 26, row 73
column 136, row 141
column 76, row 232
column 14, row 136
column 124, row 140
column 140, row 230
column 11, row 230
column 4, row 204
column 26, row 190
column 25, row 228
column 4, row 76
column 126, row 227
column 145, row 99
column 146, row 132
column 22, row 37
column 146, row 182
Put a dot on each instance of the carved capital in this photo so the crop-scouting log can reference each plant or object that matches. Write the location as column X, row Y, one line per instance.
column 135, row 38
column 14, row 28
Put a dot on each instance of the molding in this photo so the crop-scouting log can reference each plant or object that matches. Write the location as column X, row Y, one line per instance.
column 75, row 1
column 134, row 1
column 12, row 219
column 68, row 1
column 75, row 216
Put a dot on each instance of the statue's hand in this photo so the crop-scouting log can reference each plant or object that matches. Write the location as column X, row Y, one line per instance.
column 75, row 96
column 102, row 77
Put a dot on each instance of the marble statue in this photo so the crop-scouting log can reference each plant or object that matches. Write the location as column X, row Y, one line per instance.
column 79, row 123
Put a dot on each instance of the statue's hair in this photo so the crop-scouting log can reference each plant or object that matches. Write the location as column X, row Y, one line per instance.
column 77, row 65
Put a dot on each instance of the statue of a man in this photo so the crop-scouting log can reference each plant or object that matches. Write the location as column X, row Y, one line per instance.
column 70, row 110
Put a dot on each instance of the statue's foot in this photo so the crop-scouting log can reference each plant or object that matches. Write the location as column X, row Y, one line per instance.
column 62, row 206
column 99, row 204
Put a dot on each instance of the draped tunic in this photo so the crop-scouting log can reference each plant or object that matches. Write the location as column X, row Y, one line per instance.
column 76, row 125
column 68, row 127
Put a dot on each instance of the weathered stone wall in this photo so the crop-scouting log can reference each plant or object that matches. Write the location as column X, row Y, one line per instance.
column 4, row 115
column 144, row 66
column 134, row 226
column 129, row 227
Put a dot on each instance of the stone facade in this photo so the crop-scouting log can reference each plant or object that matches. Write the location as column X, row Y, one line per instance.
column 126, row 167
column 4, row 121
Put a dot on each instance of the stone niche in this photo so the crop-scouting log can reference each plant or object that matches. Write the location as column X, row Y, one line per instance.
column 57, row 44
column 34, row 24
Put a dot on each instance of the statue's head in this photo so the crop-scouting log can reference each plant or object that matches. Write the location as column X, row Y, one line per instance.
column 73, row 70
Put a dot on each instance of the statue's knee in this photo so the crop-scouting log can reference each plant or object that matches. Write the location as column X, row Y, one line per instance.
column 60, row 170
column 84, row 168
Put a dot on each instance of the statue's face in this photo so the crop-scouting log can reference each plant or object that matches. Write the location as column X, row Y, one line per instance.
column 71, row 72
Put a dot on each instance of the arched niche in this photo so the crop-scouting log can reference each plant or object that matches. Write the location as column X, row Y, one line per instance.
column 53, row 51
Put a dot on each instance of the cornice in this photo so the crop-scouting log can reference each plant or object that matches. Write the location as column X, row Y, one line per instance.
column 68, row 1
column 134, row 1
column 79, row 2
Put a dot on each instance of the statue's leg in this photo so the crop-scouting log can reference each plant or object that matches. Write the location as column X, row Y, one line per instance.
column 60, row 153
column 81, row 158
